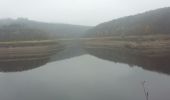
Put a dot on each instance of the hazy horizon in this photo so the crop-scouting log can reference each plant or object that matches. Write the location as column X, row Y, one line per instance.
column 79, row 12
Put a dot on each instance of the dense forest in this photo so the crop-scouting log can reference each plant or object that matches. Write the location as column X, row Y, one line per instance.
column 148, row 23
column 24, row 29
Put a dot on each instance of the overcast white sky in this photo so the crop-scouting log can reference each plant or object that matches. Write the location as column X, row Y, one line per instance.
column 83, row 12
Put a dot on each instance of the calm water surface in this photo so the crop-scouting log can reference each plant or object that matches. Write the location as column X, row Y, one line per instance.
column 84, row 78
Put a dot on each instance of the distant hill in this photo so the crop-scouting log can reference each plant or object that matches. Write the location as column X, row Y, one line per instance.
column 151, row 22
column 24, row 29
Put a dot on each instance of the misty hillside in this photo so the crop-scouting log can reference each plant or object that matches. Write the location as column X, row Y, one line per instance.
column 24, row 29
column 151, row 22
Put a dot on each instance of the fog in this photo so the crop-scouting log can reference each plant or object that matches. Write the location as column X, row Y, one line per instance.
column 82, row 12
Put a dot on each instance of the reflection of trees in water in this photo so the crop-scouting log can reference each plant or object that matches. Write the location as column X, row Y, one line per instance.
column 130, row 57
column 29, row 56
column 72, row 49
column 151, row 61
column 21, row 65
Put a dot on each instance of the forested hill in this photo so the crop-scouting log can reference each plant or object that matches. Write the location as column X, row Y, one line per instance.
column 148, row 23
column 24, row 29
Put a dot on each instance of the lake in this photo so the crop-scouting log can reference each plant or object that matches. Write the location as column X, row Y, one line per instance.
column 85, row 77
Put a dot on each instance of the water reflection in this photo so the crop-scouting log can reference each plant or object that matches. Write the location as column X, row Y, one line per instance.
column 21, row 65
column 28, row 57
column 133, row 58
column 25, row 56
column 20, row 57
column 84, row 77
